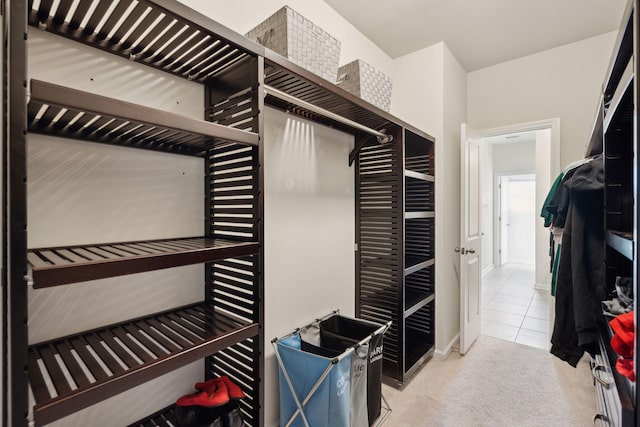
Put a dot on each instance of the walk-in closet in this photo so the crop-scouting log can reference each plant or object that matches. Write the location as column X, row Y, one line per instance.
column 185, row 183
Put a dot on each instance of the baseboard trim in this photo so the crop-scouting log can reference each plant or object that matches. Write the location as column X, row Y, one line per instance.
column 443, row 354
column 488, row 269
column 542, row 286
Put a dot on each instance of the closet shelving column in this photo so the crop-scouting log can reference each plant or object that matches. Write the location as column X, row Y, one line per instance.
column 419, row 251
column 616, row 396
column 68, row 373
column 396, row 253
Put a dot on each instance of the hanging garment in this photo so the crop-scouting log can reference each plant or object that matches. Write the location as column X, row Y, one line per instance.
column 545, row 213
column 580, row 280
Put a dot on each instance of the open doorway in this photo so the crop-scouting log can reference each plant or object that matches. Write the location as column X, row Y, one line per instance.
column 512, row 309
column 516, row 317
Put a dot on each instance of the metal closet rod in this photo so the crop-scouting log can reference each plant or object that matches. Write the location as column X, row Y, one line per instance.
column 382, row 137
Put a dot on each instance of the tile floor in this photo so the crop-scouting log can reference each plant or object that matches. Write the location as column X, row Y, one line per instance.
column 512, row 309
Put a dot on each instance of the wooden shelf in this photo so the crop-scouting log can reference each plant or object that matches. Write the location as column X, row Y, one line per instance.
column 70, row 264
column 414, row 264
column 69, row 113
column 162, row 418
column 622, row 91
column 171, row 37
column 284, row 75
column 420, row 176
column 81, row 371
column 621, row 242
column 414, row 301
column 418, row 215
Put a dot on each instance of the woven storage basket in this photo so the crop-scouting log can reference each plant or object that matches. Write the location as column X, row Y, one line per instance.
column 366, row 82
column 293, row 36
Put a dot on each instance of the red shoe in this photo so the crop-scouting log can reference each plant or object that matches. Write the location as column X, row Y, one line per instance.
column 235, row 392
column 215, row 395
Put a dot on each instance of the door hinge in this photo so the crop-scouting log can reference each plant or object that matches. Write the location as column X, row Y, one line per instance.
column 355, row 247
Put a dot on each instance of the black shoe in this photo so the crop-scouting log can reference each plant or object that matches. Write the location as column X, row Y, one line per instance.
column 197, row 416
column 230, row 415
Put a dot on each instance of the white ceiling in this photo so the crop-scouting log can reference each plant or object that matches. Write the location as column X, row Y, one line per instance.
column 480, row 33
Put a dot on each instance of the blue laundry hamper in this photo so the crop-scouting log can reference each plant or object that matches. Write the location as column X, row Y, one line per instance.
column 329, row 373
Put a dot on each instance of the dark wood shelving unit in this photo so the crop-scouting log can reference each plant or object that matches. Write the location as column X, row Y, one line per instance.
column 615, row 130
column 71, row 373
column 235, row 74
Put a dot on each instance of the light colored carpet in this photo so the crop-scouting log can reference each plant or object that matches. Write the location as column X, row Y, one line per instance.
column 497, row 383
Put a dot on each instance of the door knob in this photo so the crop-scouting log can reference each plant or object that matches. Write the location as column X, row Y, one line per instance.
column 460, row 250
column 471, row 251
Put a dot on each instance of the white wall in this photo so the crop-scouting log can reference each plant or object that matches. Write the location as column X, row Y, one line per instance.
column 563, row 82
column 516, row 157
column 544, row 179
column 430, row 92
column 309, row 231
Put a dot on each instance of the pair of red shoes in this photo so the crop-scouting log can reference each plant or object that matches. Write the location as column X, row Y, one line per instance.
column 215, row 392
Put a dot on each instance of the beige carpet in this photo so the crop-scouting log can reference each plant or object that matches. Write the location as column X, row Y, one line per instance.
column 497, row 383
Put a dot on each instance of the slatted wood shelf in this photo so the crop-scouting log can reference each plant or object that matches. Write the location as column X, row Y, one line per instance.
column 418, row 215
column 413, row 264
column 414, row 301
column 71, row 264
column 74, row 372
column 284, row 75
column 162, row 34
column 162, row 418
column 621, row 242
column 69, row 113
column 418, row 175
column 620, row 107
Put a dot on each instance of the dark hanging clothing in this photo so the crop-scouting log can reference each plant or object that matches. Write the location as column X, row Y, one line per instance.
column 580, row 282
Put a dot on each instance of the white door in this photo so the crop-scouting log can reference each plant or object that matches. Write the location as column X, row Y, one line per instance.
column 470, row 244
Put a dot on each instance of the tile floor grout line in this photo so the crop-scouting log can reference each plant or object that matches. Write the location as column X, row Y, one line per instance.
column 524, row 317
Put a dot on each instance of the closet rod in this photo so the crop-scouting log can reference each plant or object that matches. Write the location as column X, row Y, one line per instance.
column 382, row 137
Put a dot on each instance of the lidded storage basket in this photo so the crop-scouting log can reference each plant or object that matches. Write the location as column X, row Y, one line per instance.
column 366, row 82
column 293, row 36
